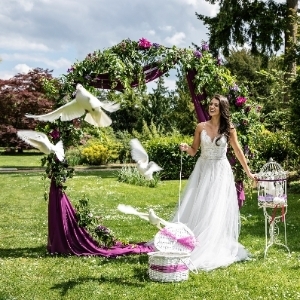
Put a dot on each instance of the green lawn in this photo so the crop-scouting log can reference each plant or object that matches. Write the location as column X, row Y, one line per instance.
column 29, row 272
column 27, row 159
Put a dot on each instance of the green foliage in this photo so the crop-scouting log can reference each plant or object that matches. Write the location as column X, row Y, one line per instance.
column 86, row 219
column 131, row 175
column 260, row 24
column 295, row 110
column 276, row 145
column 165, row 152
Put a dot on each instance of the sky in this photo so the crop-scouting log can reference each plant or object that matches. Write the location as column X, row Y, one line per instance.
column 53, row 34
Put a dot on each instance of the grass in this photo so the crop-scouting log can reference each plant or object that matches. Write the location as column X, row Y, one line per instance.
column 27, row 159
column 29, row 272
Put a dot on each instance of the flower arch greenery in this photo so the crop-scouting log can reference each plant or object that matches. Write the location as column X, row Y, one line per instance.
column 124, row 65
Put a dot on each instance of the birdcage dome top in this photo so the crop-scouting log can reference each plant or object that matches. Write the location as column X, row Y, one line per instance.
column 272, row 171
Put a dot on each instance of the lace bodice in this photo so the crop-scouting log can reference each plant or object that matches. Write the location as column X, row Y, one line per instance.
column 209, row 149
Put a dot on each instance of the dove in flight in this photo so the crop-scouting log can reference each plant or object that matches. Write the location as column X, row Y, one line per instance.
column 151, row 217
column 140, row 156
column 84, row 103
column 41, row 142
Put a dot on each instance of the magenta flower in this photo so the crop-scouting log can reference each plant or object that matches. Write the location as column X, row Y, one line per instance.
column 240, row 101
column 144, row 43
column 55, row 134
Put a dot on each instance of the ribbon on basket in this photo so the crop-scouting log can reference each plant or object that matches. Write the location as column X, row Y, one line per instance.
column 274, row 214
column 188, row 241
column 169, row 269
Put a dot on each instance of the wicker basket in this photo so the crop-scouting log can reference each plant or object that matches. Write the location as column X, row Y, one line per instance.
column 172, row 262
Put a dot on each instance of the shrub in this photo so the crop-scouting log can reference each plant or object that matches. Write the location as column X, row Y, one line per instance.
column 132, row 176
column 165, row 152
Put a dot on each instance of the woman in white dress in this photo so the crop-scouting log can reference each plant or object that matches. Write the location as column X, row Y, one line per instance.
column 209, row 205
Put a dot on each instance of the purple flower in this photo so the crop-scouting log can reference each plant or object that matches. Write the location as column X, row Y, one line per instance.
column 219, row 61
column 198, row 54
column 70, row 70
column 156, row 45
column 55, row 134
column 240, row 101
column 144, row 43
column 235, row 87
column 205, row 47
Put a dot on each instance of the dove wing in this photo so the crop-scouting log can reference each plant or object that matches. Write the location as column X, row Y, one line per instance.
column 36, row 139
column 138, row 152
column 153, row 167
column 67, row 112
column 127, row 209
column 110, row 106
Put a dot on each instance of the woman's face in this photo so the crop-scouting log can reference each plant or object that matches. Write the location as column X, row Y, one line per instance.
column 214, row 107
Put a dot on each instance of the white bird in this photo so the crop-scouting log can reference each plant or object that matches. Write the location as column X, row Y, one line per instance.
column 40, row 141
column 139, row 154
column 84, row 102
column 150, row 216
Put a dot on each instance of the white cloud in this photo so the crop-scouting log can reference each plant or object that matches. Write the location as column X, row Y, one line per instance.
column 177, row 39
column 19, row 43
column 151, row 32
column 22, row 68
column 27, row 5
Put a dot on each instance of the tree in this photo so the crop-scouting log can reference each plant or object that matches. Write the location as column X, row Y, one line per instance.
column 157, row 106
column 264, row 25
column 24, row 93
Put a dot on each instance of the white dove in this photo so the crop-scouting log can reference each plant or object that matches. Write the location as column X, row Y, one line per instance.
column 140, row 155
column 150, row 216
column 84, row 102
column 40, row 141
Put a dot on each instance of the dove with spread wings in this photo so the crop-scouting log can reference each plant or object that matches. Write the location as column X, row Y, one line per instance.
column 84, row 103
column 40, row 141
column 140, row 156
column 151, row 217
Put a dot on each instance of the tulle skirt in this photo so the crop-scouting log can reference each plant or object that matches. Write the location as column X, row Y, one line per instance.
column 209, row 207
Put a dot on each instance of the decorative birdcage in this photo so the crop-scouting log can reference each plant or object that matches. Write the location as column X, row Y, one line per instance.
column 272, row 197
column 271, row 185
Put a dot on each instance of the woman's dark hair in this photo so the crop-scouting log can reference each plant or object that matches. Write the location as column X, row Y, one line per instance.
column 225, row 124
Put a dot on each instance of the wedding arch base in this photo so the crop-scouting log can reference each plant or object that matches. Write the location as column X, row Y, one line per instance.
column 65, row 236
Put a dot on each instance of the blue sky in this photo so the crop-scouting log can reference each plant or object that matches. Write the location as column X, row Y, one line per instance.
column 52, row 34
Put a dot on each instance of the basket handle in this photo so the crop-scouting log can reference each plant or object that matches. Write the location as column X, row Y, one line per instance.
column 194, row 269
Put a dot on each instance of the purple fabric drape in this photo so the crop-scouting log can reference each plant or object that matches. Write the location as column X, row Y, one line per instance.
column 151, row 72
column 202, row 114
column 66, row 237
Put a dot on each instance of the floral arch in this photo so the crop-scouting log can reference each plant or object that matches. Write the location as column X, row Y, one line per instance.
column 126, row 66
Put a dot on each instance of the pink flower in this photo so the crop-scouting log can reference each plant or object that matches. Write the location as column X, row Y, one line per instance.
column 240, row 101
column 144, row 43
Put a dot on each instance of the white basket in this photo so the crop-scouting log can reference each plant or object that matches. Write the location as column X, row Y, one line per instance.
column 172, row 263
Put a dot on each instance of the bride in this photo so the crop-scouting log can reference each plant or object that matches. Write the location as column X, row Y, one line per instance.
column 209, row 205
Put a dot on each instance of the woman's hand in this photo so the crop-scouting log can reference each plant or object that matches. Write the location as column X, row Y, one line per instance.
column 183, row 147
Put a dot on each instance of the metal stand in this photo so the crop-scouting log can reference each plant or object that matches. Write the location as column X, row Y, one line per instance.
column 272, row 229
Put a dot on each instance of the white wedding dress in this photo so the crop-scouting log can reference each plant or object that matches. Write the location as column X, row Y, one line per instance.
column 209, row 207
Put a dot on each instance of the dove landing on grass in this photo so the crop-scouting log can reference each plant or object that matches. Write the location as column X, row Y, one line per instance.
column 150, row 216
column 41, row 142
column 139, row 154
column 84, row 102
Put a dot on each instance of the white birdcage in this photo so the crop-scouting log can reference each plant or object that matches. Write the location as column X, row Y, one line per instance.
column 272, row 194
column 271, row 185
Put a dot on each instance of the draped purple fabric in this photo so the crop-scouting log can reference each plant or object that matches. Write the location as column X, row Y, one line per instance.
column 66, row 237
column 202, row 114
column 151, row 72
